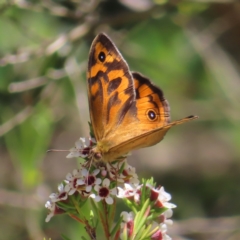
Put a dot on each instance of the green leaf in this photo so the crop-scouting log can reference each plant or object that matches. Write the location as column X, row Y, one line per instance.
column 116, row 227
column 111, row 212
column 140, row 218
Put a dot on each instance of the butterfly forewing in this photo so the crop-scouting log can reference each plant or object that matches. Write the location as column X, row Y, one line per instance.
column 110, row 87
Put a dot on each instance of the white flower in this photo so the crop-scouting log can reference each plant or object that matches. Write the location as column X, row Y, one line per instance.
column 128, row 191
column 113, row 171
column 127, row 222
column 71, row 180
column 89, row 179
column 61, row 195
column 53, row 210
column 82, row 148
column 163, row 228
column 128, row 174
column 160, row 197
column 104, row 192
column 164, row 198
column 166, row 215
column 51, row 207
column 161, row 233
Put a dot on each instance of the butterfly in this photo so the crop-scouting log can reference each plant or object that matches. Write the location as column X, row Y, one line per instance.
column 127, row 110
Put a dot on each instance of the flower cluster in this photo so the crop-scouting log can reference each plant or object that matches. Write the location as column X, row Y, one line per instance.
column 101, row 185
column 157, row 215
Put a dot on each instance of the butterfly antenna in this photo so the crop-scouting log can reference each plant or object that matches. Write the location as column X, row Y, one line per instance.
column 57, row 150
column 62, row 150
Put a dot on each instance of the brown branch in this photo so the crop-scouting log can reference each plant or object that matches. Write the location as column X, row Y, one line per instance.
column 205, row 226
column 46, row 49
column 219, row 63
column 52, row 8
column 16, row 120
column 20, row 200
column 36, row 82
column 27, row 84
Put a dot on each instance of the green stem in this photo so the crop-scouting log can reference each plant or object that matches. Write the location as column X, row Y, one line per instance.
column 103, row 214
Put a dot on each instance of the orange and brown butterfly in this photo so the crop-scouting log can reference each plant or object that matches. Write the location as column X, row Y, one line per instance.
column 127, row 110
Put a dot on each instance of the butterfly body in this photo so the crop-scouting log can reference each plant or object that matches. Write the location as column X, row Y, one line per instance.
column 127, row 110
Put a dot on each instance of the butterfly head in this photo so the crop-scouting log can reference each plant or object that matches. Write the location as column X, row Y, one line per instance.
column 97, row 153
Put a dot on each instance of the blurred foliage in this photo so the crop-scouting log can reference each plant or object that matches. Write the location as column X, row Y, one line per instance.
column 188, row 48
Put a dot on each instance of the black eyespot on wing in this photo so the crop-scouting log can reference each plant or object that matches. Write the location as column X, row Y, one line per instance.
column 101, row 56
column 151, row 114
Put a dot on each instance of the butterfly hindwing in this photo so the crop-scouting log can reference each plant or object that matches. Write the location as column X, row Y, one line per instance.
column 153, row 108
column 149, row 131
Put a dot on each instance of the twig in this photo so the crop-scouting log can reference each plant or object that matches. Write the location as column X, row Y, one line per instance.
column 44, row 49
column 20, row 200
column 53, row 9
column 220, row 64
column 16, row 120
column 205, row 226
column 36, row 82
column 27, row 85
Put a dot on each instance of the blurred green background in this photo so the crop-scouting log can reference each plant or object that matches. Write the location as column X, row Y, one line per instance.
column 191, row 49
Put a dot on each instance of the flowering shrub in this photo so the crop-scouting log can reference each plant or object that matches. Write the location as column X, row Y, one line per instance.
column 101, row 185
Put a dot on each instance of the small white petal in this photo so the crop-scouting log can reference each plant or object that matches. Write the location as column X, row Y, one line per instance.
column 69, row 176
column 106, row 182
column 67, row 188
column 48, row 205
column 80, row 143
column 75, row 172
column 93, row 195
column 72, row 191
column 95, row 172
column 97, row 198
column 82, row 139
column 88, row 188
column 98, row 181
column 169, row 205
column 124, row 214
column 85, row 172
column 121, row 193
column 60, row 187
column 127, row 216
column 96, row 188
column 70, row 155
column 49, row 216
column 80, row 182
column 73, row 153
column 113, row 191
column 109, row 200
column 168, row 213
column 53, row 195
column 168, row 221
